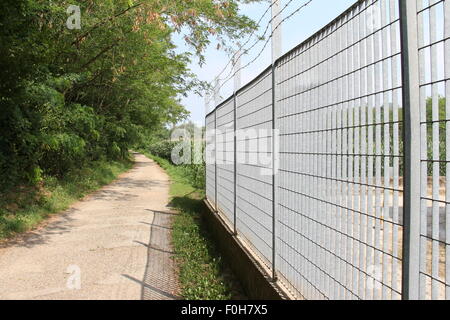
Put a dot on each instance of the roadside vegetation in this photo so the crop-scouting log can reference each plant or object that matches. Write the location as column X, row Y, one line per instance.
column 194, row 173
column 203, row 274
column 75, row 100
column 27, row 206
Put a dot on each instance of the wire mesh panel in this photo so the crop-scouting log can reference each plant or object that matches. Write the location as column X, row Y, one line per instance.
column 347, row 156
column 340, row 178
column 210, row 151
column 434, row 69
column 225, row 158
column 254, row 164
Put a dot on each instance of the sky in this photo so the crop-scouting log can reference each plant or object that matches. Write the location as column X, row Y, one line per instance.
column 298, row 28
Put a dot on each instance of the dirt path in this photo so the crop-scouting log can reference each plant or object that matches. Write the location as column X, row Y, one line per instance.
column 112, row 245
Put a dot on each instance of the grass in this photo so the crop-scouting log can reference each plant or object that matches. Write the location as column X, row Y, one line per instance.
column 202, row 272
column 26, row 207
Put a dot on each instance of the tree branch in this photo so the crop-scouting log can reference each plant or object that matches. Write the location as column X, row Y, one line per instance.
column 103, row 51
column 84, row 35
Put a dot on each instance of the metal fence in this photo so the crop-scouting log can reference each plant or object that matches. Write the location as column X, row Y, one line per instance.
column 332, row 165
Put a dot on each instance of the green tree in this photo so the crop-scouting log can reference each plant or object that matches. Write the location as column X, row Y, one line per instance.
column 68, row 97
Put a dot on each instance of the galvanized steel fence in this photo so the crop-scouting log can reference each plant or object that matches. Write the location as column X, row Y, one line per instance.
column 332, row 166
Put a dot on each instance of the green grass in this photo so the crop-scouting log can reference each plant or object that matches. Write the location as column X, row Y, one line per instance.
column 202, row 273
column 26, row 207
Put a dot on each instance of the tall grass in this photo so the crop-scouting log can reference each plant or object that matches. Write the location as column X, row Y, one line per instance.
column 203, row 275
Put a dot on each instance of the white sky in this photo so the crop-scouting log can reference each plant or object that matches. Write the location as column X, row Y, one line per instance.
column 302, row 25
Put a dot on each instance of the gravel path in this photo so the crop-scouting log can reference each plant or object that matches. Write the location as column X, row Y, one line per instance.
column 114, row 244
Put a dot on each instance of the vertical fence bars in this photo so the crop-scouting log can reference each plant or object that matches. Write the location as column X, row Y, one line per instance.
column 225, row 159
column 433, row 55
column 338, row 141
column 254, row 166
column 359, row 207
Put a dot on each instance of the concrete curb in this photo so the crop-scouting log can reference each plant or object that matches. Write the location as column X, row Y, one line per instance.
column 253, row 277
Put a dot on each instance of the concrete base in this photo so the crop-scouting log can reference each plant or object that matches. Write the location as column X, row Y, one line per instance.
column 254, row 279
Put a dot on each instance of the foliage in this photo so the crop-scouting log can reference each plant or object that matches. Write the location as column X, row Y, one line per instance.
column 163, row 149
column 194, row 172
column 196, row 175
column 70, row 97
column 436, row 117
column 434, row 128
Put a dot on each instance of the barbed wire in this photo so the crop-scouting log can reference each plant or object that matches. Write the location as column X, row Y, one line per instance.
column 261, row 37
column 230, row 76
column 246, row 42
column 242, row 52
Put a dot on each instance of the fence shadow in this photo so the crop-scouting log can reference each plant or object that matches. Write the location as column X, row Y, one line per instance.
column 160, row 281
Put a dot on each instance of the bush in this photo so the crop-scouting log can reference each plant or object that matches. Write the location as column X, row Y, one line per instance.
column 194, row 172
column 163, row 149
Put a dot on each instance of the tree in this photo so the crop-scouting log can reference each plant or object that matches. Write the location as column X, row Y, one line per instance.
column 71, row 96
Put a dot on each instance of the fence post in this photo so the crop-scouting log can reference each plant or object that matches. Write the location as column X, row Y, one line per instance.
column 274, row 173
column 411, row 132
column 216, row 103
column 237, row 84
column 216, row 92
column 276, row 30
column 215, row 160
column 204, row 135
column 276, row 53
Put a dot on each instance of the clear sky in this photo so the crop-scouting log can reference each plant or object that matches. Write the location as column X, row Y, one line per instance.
column 298, row 28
